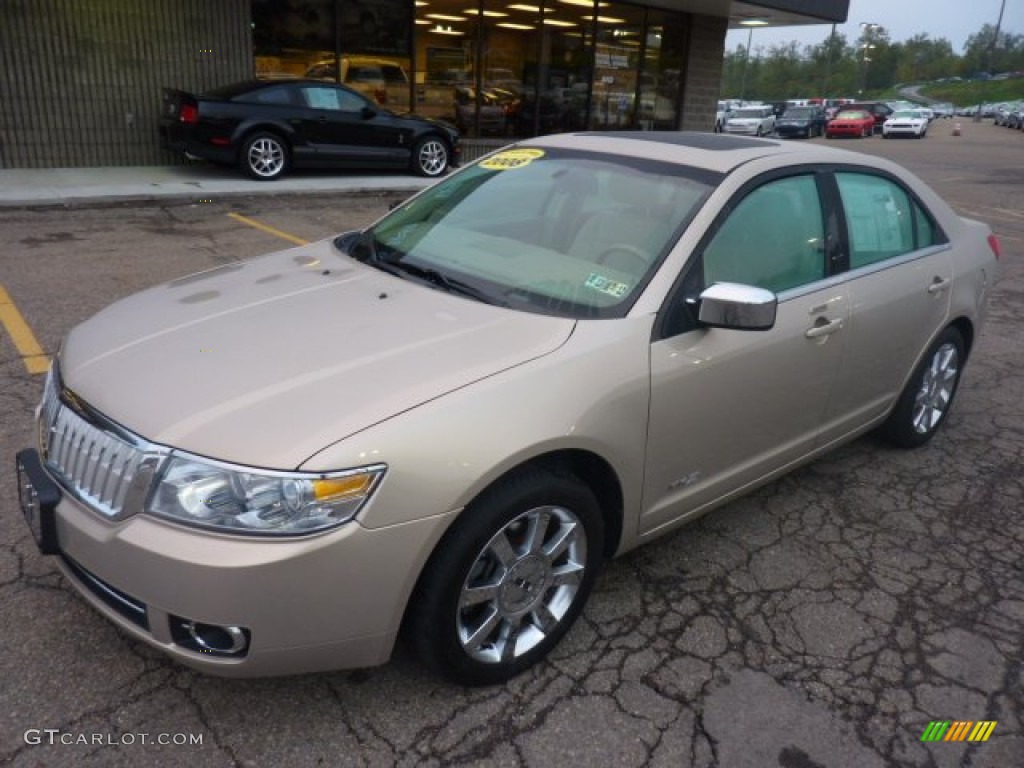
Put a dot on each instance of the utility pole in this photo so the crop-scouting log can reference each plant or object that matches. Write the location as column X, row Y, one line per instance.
column 995, row 38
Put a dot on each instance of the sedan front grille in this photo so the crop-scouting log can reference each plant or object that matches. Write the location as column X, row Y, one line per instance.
column 93, row 463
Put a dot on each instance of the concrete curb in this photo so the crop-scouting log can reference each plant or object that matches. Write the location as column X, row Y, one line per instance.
column 79, row 187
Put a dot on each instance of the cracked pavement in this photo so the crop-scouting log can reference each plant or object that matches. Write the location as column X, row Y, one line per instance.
column 822, row 621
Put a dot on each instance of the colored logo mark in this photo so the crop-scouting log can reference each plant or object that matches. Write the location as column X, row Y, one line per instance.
column 958, row 730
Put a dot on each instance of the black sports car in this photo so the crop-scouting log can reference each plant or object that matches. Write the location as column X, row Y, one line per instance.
column 266, row 127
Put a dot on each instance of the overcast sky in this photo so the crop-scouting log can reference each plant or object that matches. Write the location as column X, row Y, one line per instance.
column 954, row 20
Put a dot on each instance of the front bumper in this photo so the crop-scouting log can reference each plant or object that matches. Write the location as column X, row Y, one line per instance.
column 902, row 130
column 787, row 131
column 328, row 601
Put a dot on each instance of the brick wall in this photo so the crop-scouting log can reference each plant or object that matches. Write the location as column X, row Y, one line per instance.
column 81, row 80
column 703, row 78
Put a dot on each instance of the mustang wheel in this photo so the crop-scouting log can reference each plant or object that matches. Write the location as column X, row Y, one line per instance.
column 430, row 157
column 926, row 400
column 508, row 579
column 264, row 157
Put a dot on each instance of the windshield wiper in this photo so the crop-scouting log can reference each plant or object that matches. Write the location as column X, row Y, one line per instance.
column 441, row 280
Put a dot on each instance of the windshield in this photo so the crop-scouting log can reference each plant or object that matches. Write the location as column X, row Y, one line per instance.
column 749, row 113
column 799, row 114
column 554, row 231
column 854, row 115
column 905, row 114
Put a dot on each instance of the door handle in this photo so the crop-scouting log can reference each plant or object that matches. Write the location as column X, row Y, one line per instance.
column 939, row 284
column 822, row 328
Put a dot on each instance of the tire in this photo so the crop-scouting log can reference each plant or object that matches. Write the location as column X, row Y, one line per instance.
column 508, row 579
column 430, row 157
column 264, row 157
column 926, row 400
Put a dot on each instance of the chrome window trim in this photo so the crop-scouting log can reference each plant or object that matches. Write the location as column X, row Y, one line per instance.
column 896, row 261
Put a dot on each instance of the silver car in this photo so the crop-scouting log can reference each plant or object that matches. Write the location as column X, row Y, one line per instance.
column 442, row 425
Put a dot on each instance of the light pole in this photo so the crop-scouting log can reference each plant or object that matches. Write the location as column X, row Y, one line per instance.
column 828, row 62
column 749, row 24
column 746, row 64
column 867, row 36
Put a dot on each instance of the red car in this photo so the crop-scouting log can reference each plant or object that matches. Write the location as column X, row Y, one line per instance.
column 850, row 122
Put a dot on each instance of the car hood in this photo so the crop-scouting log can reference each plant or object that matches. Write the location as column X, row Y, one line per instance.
column 268, row 361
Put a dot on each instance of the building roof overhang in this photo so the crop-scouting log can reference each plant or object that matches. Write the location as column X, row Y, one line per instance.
column 764, row 13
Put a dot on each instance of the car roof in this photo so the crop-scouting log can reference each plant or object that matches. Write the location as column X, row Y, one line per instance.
column 716, row 152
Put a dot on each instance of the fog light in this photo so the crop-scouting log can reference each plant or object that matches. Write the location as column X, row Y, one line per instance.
column 214, row 639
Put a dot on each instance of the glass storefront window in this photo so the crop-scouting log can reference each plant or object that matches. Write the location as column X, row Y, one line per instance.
column 493, row 68
column 364, row 44
column 617, row 60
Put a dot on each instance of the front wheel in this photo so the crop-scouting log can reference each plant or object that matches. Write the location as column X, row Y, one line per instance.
column 264, row 157
column 927, row 398
column 430, row 157
column 508, row 579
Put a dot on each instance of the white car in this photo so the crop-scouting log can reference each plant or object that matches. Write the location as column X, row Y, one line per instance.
column 905, row 122
column 754, row 121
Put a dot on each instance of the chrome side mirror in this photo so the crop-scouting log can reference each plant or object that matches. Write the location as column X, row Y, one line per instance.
column 737, row 307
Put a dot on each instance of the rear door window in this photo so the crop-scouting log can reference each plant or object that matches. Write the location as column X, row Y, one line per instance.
column 882, row 219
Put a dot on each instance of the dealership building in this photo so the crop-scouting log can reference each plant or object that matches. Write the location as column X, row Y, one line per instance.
column 81, row 82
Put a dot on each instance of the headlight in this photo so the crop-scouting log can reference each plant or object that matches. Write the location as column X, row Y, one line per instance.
column 241, row 500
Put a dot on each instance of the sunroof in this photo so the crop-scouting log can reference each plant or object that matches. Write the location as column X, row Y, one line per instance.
column 698, row 140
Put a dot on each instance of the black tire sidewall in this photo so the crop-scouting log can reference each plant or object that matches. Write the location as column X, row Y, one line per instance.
column 899, row 427
column 432, row 618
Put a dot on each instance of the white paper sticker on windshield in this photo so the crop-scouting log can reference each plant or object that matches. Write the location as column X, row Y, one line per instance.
column 607, row 285
column 511, row 158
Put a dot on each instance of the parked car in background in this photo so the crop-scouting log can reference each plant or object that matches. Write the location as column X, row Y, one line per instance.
column 850, row 122
column 266, row 127
column 801, row 121
column 380, row 80
column 877, row 109
column 751, row 120
column 493, row 111
column 905, row 122
column 443, row 424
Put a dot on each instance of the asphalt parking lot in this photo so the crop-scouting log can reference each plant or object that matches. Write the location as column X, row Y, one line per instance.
column 823, row 621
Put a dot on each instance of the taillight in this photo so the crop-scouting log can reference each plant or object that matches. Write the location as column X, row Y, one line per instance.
column 189, row 113
column 993, row 243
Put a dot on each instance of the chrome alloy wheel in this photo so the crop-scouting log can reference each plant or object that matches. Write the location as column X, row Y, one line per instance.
column 937, row 386
column 432, row 157
column 266, row 157
column 521, row 584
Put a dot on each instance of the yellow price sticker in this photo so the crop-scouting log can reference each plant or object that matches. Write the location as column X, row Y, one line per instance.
column 511, row 158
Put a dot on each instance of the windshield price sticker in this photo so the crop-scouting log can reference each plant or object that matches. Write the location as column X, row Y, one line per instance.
column 607, row 285
column 511, row 158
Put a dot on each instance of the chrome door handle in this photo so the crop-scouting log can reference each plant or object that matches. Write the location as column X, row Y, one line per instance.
column 824, row 329
column 939, row 285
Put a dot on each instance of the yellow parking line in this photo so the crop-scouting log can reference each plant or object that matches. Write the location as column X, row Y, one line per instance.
column 268, row 229
column 32, row 355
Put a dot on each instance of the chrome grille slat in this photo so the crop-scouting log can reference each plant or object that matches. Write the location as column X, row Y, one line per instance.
column 94, row 463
